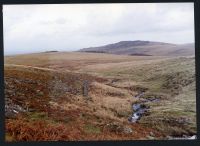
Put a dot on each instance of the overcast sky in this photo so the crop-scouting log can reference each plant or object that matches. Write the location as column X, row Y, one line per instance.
column 69, row 27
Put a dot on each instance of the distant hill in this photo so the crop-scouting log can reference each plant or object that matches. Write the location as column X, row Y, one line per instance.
column 54, row 51
column 144, row 48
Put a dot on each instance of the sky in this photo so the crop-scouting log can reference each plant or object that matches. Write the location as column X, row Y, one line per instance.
column 70, row 27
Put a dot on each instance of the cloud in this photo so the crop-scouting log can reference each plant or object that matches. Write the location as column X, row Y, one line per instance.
column 32, row 28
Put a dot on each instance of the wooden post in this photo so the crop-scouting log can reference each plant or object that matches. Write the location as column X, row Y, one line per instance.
column 85, row 88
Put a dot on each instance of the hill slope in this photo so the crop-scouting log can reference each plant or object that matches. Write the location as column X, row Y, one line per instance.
column 44, row 96
column 144, row 48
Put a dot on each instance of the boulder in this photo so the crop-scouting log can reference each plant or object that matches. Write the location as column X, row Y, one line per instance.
column 118, row 128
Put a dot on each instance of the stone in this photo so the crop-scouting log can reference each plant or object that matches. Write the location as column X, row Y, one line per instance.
column 10, row 115
column 127, row 130
column 151, row 134
column 193, row 137
column 150, row 137
column 118, row 128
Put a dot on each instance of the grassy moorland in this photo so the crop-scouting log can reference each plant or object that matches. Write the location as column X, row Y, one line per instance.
column 172, row 81
column 49, row 89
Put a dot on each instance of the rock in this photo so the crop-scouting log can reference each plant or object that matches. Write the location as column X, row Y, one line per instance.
column 12, row 109
column 39, row 92
column 118, row 128
column 183, row 120
column 127, row 130
column 193, row 137
column 184, row 137
column 151, row 134
column 10, row 115
column 169, row 137
column 150, row 137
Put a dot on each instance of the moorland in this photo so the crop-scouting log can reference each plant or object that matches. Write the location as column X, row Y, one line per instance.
column 125, row 91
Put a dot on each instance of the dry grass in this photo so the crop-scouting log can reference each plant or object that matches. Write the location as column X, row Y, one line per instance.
column 114, row 79
column 173, row 79
column 23, row 130
column 70, row 60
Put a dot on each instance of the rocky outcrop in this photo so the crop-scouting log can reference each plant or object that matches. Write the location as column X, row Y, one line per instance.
column 11, row 109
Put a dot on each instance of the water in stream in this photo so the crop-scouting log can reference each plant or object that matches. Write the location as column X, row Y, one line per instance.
column 139, row 109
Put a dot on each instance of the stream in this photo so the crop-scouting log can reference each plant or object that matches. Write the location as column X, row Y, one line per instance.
column 139, row 109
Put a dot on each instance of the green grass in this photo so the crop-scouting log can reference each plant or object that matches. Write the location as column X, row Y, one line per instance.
column 182, row 105
column 91, row 129
column 42, row 116
column 37, row 116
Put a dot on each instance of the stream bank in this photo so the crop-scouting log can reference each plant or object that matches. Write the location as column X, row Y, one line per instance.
column 141, row 109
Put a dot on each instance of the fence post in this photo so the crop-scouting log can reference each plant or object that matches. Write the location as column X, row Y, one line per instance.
column 85, row 88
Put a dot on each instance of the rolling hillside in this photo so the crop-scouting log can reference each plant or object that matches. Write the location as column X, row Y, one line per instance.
column 144, row 48
column 44, row 96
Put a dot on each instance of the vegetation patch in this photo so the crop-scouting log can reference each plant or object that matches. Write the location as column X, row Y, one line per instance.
column 25, row 130
column 92, row 129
